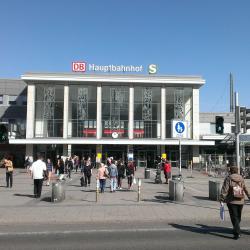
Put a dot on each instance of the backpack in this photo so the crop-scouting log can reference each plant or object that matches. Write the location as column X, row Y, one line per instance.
column 237, row 190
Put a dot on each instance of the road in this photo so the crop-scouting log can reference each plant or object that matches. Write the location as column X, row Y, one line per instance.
column 173, row 236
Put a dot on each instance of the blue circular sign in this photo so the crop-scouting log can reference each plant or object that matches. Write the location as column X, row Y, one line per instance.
column 179, row 127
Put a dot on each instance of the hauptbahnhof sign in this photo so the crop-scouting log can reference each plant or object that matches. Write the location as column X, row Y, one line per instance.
column 83, row 67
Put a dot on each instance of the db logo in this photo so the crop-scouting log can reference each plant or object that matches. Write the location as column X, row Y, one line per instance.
column 78, row 66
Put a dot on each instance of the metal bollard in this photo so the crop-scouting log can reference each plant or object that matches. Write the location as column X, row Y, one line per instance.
column 97, row 190
column 139, row 190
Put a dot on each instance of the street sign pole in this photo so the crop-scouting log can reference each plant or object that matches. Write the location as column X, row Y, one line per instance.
column 180, row 155
column 237, row 131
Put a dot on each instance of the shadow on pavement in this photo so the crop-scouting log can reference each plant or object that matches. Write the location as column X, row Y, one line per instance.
column 204, row 229
column 25, row 195
column 47, row 199
column 204, row 198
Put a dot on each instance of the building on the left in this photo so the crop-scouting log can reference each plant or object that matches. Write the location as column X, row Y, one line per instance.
column 13, row 110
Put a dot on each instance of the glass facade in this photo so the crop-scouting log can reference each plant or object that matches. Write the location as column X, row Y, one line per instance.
column 178, row 107
column 49, row 110
column 82, row 111
column 147, row 112
column 115, row 104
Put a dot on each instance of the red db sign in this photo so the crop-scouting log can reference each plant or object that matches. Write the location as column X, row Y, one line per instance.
column 78, row 66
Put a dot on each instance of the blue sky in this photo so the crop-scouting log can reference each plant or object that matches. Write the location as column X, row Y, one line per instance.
column 183, row 37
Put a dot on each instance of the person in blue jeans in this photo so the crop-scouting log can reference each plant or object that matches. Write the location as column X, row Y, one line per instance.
column 101, row 176
column 113, row 174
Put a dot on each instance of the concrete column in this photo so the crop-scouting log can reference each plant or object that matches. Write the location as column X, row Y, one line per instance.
column 65, row 149
column 70, row 120
column 98, row 151
column 158, row 120
column 30, row 151
column 196, row 156
column 163, row 113
column 163, row 149
column 66, row 112
column 99, row 112
column 30, row 121
column 131, row 113
column 196, row 117
column 187, row 116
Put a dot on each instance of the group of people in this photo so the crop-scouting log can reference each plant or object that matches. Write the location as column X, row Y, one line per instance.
column 116, row 172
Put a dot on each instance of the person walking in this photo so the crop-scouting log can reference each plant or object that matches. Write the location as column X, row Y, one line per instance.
column 233, row 193
column 37, row 169
column 87, row 171
column 49, row 167
column 101, row 176
column 167, row 170
column 121, row 173
column 130, row 171
column 9, row 171
column 113, row 174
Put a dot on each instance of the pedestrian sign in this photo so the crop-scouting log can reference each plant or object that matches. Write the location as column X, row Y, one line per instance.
column 179, row 129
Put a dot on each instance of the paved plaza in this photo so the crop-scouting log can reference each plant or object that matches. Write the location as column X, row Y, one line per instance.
column 18, row 207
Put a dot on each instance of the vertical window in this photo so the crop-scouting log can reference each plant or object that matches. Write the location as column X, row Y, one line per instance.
column 147, row 112
column 115, row 100
column 1, row 99
column 82, row 111
column 49, row 110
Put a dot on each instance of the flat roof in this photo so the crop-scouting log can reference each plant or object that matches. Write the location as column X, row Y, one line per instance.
column 170, row 80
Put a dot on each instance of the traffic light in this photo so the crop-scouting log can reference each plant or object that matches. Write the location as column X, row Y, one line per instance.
column 245, row 118
column 3, row 133
column 219, row 124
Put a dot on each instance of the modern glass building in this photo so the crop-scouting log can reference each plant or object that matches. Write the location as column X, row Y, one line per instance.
column 111, row 115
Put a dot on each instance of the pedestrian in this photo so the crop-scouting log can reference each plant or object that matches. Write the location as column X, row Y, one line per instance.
column 121, row 173
column 69, row 166
column 27, row 163
column 38, row 169
column 49, row 167
column 102, row 175
column 113, row 174
column 87, row 171
column 233, row 193
column 167, row 170
column 60, row 166
column 8, row 164
column 130, row 171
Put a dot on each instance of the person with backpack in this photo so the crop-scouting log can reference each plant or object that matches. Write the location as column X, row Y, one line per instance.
column 233, row 193
column 113, row 174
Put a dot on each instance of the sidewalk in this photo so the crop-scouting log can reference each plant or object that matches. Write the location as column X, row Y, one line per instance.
column 18, row 206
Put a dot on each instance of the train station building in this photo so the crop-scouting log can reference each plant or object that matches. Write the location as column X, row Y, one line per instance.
column 112, row 115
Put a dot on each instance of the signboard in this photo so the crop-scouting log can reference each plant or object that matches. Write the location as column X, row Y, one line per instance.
column 78, row 66
column 179, row 129
column 81, row 66
column 164, row 156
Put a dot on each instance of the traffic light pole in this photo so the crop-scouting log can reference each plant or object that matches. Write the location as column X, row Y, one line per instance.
column 237, row 131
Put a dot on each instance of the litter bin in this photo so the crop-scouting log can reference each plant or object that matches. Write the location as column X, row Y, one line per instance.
column 58, row 192
column 176, row 190
column 177, row 177
column 147, row 173
column 214, row 190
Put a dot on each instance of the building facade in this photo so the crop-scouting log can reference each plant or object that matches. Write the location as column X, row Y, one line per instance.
column 13, row 106
column 111, row 115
